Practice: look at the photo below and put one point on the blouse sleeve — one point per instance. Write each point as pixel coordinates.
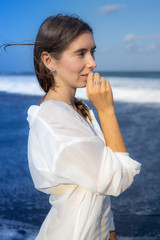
(63, 150)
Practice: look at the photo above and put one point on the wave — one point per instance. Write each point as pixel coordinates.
(11, 230)
(20, 84)
(125, 89)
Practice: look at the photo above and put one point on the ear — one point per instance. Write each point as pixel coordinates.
(47, 60)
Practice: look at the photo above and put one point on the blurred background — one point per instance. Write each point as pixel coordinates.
(127, 36)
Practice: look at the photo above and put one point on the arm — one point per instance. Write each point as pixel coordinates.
(64, 150)
(111, 131)
(102, 98)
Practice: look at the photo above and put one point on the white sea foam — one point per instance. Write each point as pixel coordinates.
(11, 230)
(20, 84)
(125, 89)
(136, 90)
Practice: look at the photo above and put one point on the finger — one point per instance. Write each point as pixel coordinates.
(108, 86)
(89, 84)
(96, 76)
(109, 89)
(103, 84)
(97, 80)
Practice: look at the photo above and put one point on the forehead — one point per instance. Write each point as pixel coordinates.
(85, 40)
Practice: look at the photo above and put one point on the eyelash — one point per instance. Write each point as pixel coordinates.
(81, 54)
(93, 52)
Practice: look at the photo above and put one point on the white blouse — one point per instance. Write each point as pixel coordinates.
(69, 160)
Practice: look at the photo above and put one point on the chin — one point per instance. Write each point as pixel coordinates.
(83, 85)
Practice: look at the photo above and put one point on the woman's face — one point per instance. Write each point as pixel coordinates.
(76, 62)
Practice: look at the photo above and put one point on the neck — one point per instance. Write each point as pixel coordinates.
(65, 96)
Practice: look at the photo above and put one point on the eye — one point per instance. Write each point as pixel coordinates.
(81, 54)
(93, 52)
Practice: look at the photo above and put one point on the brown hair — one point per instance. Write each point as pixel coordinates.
(55, 34)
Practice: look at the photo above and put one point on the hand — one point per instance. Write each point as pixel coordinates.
(113, 236)
(99, 95)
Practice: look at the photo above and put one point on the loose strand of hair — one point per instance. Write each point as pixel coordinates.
(4, 46)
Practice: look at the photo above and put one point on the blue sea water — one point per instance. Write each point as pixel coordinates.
(137, 104)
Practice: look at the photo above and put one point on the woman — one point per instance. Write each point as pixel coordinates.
(69, 157)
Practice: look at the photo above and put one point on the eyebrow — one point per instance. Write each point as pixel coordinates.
(84, 49)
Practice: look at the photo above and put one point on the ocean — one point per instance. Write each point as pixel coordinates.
(137, 104)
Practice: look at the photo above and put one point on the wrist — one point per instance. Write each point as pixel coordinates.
(108, 112)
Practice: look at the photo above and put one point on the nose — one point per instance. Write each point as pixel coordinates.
(91, 64)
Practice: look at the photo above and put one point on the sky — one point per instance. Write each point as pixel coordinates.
(126, 32)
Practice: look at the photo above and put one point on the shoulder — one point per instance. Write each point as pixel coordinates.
(60, 114)
(58, 117)
(53, 107)
(53, 111)
(49, 111)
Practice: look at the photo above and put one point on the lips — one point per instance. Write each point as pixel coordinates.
(85, 75)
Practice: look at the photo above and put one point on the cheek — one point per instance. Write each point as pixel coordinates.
(75, 66)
